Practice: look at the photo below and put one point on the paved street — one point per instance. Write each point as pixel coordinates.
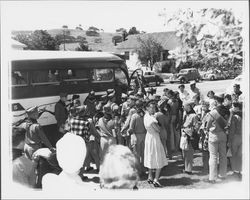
(218, 86)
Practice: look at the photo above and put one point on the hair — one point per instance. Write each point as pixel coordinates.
(75, 96)
(165, 89)
(18, 135)
(181, 86)
(237, 105)
(152, 101)
(170, 92)
(219, 99)
(228, 97)
(197, 98)
(119, 168)
(210, 92)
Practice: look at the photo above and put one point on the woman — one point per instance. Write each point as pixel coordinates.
(154, 154)
(163, 118)
(188, 130)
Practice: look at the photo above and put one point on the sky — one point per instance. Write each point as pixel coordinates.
(106, 15)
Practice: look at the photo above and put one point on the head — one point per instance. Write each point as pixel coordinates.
(219, 99)
(192, 85)
(139, 106)
(236, 88)
(33, 113)
(75, 96)
(181, 88)
(107, 117)
(131, 100)
(18, 138)
(71, 153)
(76, 102)
(165, 90)
(227, 100)
(151, 107)
(205, 106)
(210, 94)
(170, 94)
(63, 97)
(119, 168)
(237, 106)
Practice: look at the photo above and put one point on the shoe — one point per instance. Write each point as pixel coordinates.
(89, 169)
(150, 181)
(210, 181)
(222, 178)
(84, 178)
(135, 188)
(186, 172)
(157, 184)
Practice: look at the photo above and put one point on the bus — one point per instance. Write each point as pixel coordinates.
(38, 77)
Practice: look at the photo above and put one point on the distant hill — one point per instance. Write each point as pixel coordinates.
(103, 42)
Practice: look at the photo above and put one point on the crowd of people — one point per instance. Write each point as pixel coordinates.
(135, 138)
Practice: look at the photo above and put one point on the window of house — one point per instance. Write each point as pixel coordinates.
(102, 75)
(19, 78)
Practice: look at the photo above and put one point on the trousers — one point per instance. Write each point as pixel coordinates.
(188, 156)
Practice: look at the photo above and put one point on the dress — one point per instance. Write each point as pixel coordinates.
(154, 154)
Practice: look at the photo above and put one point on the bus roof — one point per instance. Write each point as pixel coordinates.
(26, 58)
(45, 55)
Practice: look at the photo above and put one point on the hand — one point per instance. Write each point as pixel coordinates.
(133, 140)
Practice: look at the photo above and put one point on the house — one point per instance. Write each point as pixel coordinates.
(168, 40)
(17, 45)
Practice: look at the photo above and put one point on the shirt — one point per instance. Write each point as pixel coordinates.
(136, 125)
(184, 96)
(80, 127)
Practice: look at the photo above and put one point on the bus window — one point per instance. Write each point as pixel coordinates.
(73, 75)
(44, 76)
(105, 75)
(19, 78)
(120, 77)
(53, 76)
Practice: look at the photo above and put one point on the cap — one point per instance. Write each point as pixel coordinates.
(32, 110)
(63, 94)
(192, 82)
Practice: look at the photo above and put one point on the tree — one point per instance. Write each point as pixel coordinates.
(83, 44)
(133, 31)
(149, 51)
(38, 40)
(120, 30)
(92, 28)
(209, 37)
(64, 26)
(60, 39)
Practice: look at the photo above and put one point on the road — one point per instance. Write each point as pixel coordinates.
(218, 86)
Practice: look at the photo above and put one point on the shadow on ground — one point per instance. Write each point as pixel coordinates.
(178, 181)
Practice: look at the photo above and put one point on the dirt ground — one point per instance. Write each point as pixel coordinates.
(173, 178)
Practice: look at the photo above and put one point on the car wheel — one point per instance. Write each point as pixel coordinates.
(182, 80)
(212, 78)
(157, 83)
(197, 80)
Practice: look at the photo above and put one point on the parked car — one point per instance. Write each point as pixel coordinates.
(214, 75)
(237, 80)
(151, 77)
(186, 75)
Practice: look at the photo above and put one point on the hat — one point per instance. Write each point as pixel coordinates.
(192, 82)
(109, 91)
(75, 96)
(182, 86)
(63, 94)
(236, 85)
(32, 110)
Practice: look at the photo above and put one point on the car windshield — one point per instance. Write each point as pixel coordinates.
(183, 71)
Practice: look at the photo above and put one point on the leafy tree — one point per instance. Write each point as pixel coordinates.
(209, 37)
(92, 28)
(133, 31)
(38, 40)
(60, 39)
(149, 51)
(92, 33)
(83, 44)
(120, 30)
(64, 26)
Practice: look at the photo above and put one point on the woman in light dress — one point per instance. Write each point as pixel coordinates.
(154, 153)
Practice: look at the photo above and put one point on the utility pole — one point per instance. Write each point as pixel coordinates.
(164, 15)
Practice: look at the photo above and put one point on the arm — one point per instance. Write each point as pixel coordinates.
(58, 113)
(131, 129)
(126, 124)
(43, 137)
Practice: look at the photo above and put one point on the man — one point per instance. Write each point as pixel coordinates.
(23, 168)
(91, 103)
(138, 132)
(217, 140)
(111, 105)
(183, 94)
(237, 93)
(61, 112)
(194, 91)
(228, 101)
